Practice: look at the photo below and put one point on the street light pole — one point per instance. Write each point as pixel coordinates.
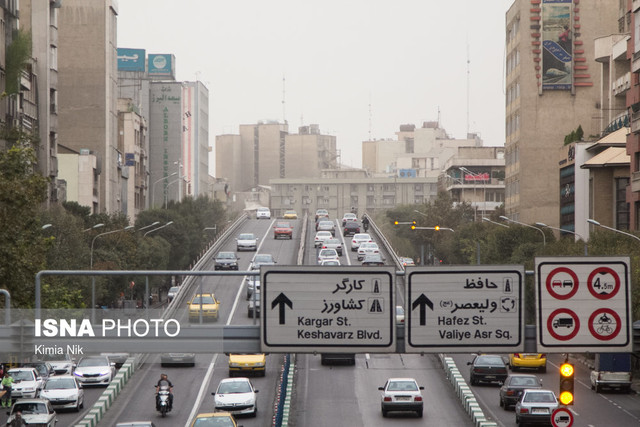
(148, 226)
(543, 225)
(153, 188)
(596, 223)
(156, 229)
(544, 239)
(93, 278)
(493, 222)
(93, 228)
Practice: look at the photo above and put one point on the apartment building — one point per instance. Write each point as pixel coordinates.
(552, 88)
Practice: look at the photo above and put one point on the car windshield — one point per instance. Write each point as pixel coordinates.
(93, 361)
(214, 422)
(59, 383)
(489, 360)
(361, 237)
(402, 386)
(234, 387)
(332, 242)
(226, 255)
(282, 225)
(262, 259)
(204, 299)
(523, 382)
(326, 224)
(539, 397)
(246, 236)
(30, 408)
(21, 375)
(328, 252)
(54, 357)
(174, 289)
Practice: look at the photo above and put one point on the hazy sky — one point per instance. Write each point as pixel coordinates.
(354, 67)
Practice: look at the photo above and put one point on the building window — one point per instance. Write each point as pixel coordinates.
(389, 187)
(622, 207)
(370, 187)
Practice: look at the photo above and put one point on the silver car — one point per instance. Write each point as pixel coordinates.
(333, 244)
(536, 406)
(36, 412)
(401, 394)
(95, 370)
(246, 242)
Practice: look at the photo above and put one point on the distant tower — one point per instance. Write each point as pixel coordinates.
(369, 117)
(284, 116)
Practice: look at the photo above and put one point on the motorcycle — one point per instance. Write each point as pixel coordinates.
(162, 401)
(365, 226)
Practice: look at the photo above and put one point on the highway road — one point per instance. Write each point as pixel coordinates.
(590, 410)
(329, 395)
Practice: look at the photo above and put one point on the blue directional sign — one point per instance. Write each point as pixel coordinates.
(327, 309)
(466, 309)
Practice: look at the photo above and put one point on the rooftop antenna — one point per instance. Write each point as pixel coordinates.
(468, 81)
(369, 116)
(284, 116)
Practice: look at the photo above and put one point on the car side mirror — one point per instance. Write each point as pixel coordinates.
(255, 391)
(421, 387)
(213, 394)
(468, 363)
(381, 388)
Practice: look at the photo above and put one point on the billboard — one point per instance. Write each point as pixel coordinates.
(131, 59)
(161, 65)
(557, 52)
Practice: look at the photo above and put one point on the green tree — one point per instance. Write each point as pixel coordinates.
(22, 243)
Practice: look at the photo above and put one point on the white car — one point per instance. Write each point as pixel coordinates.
(35, 412)
(236, 395)
(321, 236)
(26, 383)
(367, 248)
(253, 284)
(61, 363)
(263, 213)
(348, 217)
(359, 238)
(95, 370)
(173, 292)
(261, 259)
(63, 392)
(401, 394)
(333, 244)
(535, 406)
(246, 242)
(326, 254)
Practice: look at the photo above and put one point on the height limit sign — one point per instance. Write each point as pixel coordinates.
(584, 303)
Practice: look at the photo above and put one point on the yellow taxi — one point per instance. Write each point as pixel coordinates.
(528, 360)
(245, 363)
(209, 304)
(222, 419)
(290, 214)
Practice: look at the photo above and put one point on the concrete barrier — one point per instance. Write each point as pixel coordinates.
(109, 396)
(464, 393)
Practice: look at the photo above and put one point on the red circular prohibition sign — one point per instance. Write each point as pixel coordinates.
(598, 335)
(576, 321)
(561, 411)
(570, 273)
(603, 270)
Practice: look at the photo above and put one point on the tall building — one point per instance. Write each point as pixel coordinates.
(266, 150)
(195, 138)
(40, 18)
(417, 152)
(88, 113)
(633, 104)
(552, 89)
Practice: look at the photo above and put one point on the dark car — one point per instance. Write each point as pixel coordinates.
(226, 261)
(513, 387)
(488, 368)
(351, 228)
(373, 259)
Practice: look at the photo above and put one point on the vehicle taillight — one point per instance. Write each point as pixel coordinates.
(324, 247)
(516, 355)
(510, 392)
(524, 410)
(543, 356)
(418, 399)
(387, 399)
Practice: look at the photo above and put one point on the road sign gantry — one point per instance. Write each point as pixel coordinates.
(327, 309)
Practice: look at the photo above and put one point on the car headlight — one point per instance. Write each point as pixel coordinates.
(80, 374)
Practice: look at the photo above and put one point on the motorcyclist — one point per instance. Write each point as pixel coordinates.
(164, 384)
(365, 222)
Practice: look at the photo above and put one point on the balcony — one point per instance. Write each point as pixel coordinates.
(635, 182)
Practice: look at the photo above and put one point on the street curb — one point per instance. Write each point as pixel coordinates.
(107, 398)
(464, 393)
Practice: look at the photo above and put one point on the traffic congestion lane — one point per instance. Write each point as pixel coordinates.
(348, 395)
(591, 409)
(195, 385)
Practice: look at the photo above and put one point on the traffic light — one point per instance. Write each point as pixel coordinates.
(437, 228)
(566, 384)
(395, 223)
(413, 227)
(414, 222)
